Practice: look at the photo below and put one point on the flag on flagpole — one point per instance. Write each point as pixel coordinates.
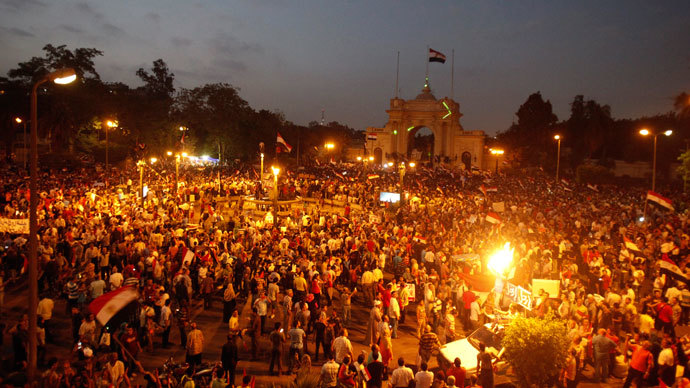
(280, 140)
(107, 305)
(436, 56)
(493, 218)
(660, 200)
(372, 136)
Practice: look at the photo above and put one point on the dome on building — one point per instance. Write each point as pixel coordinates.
(425, 94)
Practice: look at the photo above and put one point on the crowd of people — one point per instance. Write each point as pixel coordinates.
(288, 283)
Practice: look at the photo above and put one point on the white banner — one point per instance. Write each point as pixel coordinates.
(14, 226)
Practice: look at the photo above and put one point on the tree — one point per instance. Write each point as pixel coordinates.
(62, 110)
(684, 169)
(533, 132)
(536, 348)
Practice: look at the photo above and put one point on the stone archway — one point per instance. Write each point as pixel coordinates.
(420, 144)
(440, 116)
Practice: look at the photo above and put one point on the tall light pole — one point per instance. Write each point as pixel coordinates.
(261, 174)
(110, 124)
(496, 153)
(647, 132)
(61, 77)
(19, 120)
(276, 171)
(558, 155)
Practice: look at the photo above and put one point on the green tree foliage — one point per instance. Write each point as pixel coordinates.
(66, 108)
(536, 348)
(533, 132)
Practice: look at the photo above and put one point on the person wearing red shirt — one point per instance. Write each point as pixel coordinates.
(664, 317)
(467, 298)
(641, 363)
(456, 370)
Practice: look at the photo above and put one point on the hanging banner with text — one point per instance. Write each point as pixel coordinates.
(14, 226)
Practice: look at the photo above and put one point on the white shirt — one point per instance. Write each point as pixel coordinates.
(394, 308)
(401, 377)
(342, 347)
(666, 357)
(423, 379)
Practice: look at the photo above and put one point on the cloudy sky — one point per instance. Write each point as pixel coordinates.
(300, 57)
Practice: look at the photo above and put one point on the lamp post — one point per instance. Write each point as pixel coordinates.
(496, 153)
(276, 171)
(108, 126)
(261, 174)
(61, 77)
(141, 164)
(647, 132)
(19, 120)
(558, 155)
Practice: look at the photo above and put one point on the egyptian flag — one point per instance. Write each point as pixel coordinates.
(182, 138)
(187, 256)
(631, 245)
(436, 56)
(671, 269)
(280, 140)
(372, 136)
(660, 200)
(493, 218)
(419, 239)
(373, 176)
(108, 305)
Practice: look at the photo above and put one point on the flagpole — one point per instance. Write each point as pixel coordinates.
(452, 74)
(397, 75)
(427, 62)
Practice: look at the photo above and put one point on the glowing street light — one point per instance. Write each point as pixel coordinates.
(412, 164)
(276, 171)
(184, 155)
(371, 158)
(60, 77)
(169, 153)
(110, 124)
(496, 152)
(329, 146)
(19, 120)
(647, 132)
(359, 158)
(558, 155)
(153, 160)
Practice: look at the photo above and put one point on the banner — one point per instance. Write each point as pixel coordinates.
(14, 226)
(519, 295)
(410, 291)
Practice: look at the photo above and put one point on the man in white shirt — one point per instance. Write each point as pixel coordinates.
(342, 347)
(116, 279)
(402, 375)
(45, 310)
(394, 314)
(424, 378)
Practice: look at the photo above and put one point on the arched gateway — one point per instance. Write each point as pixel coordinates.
(442, 117)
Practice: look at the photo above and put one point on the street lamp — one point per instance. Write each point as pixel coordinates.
(61, 77)
(647, 132)
(558, 155)
(329, 146)
(19, 120)
(109, 125)
(276, 171)
(496, 153)
(141, 165)
(261, 174)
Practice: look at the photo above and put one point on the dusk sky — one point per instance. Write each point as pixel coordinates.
(300, 57)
